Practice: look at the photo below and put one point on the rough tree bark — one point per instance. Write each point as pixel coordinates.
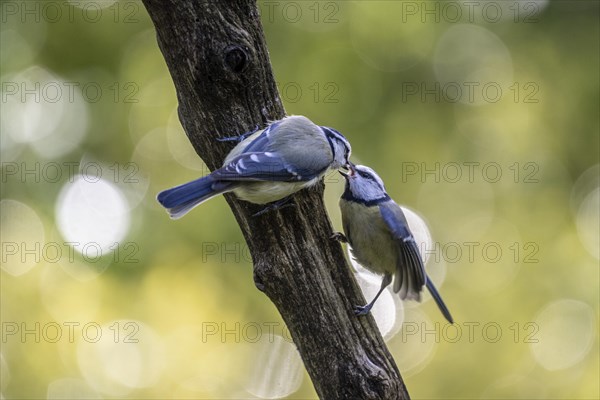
(218, 59)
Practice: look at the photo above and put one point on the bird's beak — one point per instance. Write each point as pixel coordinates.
(350, 168)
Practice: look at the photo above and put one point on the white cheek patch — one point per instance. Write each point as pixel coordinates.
(254, 157)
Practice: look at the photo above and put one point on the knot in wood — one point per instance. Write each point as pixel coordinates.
(236, 58)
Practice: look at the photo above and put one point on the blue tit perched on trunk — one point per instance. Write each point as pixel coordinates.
(266, 166)
(381, 240)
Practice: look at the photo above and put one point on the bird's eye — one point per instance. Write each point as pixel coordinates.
(365, 175)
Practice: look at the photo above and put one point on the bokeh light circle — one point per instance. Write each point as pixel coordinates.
(19, 46)
(584, 185)
(180, 147)
(10, 150)
(66, 298)
(584, 206)
(129, 177)
(92, 214)
(566, 332)
(23, 237)
(120, 356)
(70, 388)
(278, 370)
(207, 368)
(588, 223)
(411, 350)
(474, 60)
(46, 112)
(153, 146)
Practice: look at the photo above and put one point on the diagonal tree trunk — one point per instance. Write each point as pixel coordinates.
(218, 59)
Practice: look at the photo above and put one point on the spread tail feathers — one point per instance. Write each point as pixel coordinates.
(438, 300)
(181, 199)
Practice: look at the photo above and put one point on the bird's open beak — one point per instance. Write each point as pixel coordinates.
(350, 168)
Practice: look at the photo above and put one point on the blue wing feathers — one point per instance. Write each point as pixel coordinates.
(417, 261)
(394, 218)
(261, 167)
(274, 156)
(410, 268)
(261, 143)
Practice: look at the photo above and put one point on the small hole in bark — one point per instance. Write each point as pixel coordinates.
(236, 59)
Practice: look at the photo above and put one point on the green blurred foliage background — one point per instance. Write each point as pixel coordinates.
(482, 117)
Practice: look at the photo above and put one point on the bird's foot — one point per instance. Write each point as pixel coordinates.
(277, 205)
(362, 310)
(239, 138)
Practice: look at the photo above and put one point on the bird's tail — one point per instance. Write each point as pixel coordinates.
(438, 300)
(181, 199)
